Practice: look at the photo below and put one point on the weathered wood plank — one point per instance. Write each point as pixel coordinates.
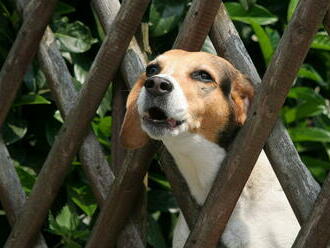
(196, 25)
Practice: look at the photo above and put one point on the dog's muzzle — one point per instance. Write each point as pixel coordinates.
(158, 86)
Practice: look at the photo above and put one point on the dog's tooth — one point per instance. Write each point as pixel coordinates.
(172, 122)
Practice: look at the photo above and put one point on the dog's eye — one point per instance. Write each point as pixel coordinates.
(152, 70)
(202, 76)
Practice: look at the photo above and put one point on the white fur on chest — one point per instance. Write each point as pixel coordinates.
(198, 160)
(262, 216)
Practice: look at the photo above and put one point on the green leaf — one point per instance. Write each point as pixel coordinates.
(67, 219)
(321, 41)
(34, 79)
(31, 100)
(292, 7)
(58, 116)
(257, 14)
(81, 66)
(155, 236)
(318, 167)
(83, 198)
(308, 71)
(306, 94)
(27, 177)
(165, 16)
(310, 103)
(307, 109)
(159, 179)
(14, 130)
(74, 37)
(264, 41)
(105, 125)
(247, 4)
(312, 134)
(273, 36)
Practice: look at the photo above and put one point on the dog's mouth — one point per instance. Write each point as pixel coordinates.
(157, 116)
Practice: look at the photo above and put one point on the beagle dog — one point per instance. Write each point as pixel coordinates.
(195, 102)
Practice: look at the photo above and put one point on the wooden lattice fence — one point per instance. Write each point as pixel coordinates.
(116, 189)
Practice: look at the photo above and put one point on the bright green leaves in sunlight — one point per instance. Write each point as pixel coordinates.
(309, 103)
(321, 41)
(255, 13)
(256, 16)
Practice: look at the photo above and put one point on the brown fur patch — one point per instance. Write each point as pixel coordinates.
(131, 135)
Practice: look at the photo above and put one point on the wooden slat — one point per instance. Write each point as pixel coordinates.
(12, 195)
(326, 22)
(22, 52)
(197, 25)
(298, 183)
(122, 197)
(76, 125)
(271, 95)
(315, 233)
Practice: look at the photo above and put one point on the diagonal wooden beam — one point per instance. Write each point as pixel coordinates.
(326, 22)
(315, 233)
(298, 183)
(12, 195)
(76, 125)
(270, 97)
(22, 52)
(196, 25)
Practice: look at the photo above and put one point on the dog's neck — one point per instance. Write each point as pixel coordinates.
(198, 160)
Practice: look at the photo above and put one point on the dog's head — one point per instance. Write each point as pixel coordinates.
(183, 92)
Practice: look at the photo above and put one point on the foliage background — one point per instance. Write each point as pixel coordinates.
(34, 120)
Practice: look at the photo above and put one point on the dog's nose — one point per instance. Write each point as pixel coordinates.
(158, 86)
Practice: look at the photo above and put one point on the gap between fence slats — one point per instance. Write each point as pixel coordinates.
(277, 81)
(22, 52)
(279, 148)
(12, 195)
(124, 191)
(76, 125)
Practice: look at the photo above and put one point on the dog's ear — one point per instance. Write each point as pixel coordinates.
(242, 94)
(131, 135)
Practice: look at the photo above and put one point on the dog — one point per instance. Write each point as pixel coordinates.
(195, 102)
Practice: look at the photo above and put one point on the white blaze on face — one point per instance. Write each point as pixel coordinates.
(174, 105)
